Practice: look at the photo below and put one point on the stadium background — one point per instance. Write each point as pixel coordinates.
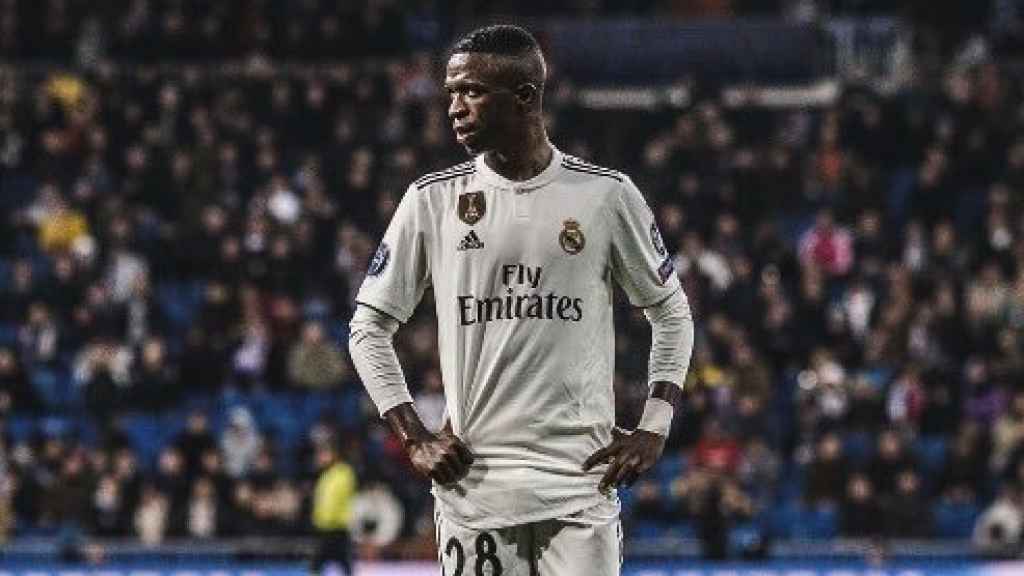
(190, 192)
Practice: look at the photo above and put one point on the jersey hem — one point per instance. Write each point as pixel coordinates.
(549, 513)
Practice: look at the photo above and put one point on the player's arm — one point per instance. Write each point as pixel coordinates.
(631, 454)
(394, 285)
(643, 268)
(443, 456)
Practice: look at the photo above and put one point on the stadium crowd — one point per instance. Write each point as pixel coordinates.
(179, 249)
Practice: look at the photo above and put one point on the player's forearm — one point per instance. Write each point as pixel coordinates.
(671, 345)
(373, 354)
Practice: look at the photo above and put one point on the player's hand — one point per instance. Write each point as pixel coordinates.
(443, 457)
(629, 455)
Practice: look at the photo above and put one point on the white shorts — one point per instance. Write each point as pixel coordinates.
(566, 546)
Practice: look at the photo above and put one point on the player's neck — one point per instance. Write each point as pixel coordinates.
(525, 161)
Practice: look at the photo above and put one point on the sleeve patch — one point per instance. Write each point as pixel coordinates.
(666, 269)
(380, 260)
(656, 240)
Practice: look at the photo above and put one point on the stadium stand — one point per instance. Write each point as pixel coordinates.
(184, 219)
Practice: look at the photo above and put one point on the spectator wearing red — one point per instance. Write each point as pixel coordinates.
(827, 246)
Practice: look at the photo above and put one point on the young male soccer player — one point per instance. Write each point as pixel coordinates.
(522, 245)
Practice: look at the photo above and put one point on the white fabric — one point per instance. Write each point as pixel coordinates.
(585, 543)
(373, 354)
(523, 287)
(657, 417)
(671, 339)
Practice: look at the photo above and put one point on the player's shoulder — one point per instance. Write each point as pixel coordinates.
(579, 168)
(452, 173)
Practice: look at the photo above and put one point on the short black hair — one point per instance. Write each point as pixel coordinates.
(499, 39)
(525, 60)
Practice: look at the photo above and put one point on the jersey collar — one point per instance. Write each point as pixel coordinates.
(547, 175)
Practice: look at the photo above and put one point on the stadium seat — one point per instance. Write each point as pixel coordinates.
(670, 467)
(8, 334)
(931, 453)
(859, 447)
(20, 428)
(794, 520)
(954, 520)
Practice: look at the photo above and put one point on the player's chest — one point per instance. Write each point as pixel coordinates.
(556, 228)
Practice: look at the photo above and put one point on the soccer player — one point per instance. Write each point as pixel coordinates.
(522, 246)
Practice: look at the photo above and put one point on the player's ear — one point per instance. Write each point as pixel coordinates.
(526, 93)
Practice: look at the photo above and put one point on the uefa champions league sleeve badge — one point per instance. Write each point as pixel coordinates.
(380, 259)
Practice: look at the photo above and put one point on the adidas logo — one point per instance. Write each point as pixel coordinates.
(470, 242)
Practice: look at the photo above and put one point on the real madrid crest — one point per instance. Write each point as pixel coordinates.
(571, 237)
(472, 207)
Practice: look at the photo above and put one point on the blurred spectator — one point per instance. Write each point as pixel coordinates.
(1008, 432)
(174, 488)
(827, 246)
(998, 531)
(195, 441)
(649, 504)
(240, 443)
(963, 477)
(827, 472)
(758, 471)
(717, 451)
(332, 515)
(861, 509)
(156, 385)
(16, 392)
(890, 460)
(907, 513)
(40, 336)
(60, 226)
(206, 515)
(151, 516)
(110, 508)
(315, 362)
(103, 370)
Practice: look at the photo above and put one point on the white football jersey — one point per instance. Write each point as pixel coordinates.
(522, 274)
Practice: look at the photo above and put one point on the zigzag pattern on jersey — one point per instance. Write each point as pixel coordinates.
(576, 165)
(447, 174)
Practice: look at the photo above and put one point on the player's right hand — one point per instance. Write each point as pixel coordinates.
(442, 457)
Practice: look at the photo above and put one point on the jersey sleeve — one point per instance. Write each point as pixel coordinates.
(399, 271)
(640, 262)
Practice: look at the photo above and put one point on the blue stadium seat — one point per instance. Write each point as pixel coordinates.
(20, 428)
(647, 529)
(931, 453)
(791, 484)
(744, 537)
(44, 383)
(8, 334)
(794, 520)
(179, 302)
(681, 529)
(149, 434)
(859, 447)
(954, 520)
(670, 467)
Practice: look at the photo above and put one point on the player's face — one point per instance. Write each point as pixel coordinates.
(480, 107)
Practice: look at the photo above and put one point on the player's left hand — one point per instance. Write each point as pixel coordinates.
(629, 455)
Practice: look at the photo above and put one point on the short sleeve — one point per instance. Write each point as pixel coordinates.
(640, 262)
(399, 271)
